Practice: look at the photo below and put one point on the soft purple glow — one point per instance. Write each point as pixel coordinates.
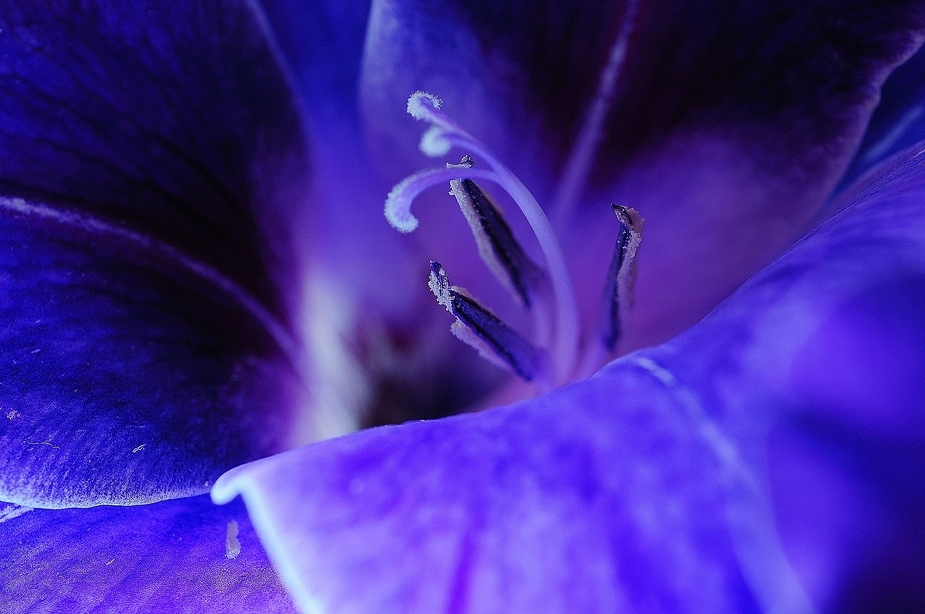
(196, 284)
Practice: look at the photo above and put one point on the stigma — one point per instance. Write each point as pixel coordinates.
(557, 351)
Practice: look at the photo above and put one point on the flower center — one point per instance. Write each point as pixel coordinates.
(556, 353)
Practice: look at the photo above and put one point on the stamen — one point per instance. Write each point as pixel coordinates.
(505, 257)
(497, 246)
(445, 133)
(481, 329)
(618, 292)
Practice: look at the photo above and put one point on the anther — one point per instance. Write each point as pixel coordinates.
(484, 331)
(500, 251)
(618, 291)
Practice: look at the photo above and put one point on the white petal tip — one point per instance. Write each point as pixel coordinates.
(226, 487)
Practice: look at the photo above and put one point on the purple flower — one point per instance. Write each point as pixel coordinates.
(196, 281)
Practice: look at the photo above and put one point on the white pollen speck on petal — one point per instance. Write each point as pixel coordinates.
(138, 448)
(232, 545)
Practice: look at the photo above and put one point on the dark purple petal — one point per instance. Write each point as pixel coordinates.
(898, 122)
(771, 454)
(730, 124)
(185, 555)
(152, 172)
(802, 77)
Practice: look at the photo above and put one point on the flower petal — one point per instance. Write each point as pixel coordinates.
(322, 41)
(152, 175)
(753, 72)
(730, 124)
(816, 366)
(898, 122)
(184, 555)
(726, 471)
(545, 506)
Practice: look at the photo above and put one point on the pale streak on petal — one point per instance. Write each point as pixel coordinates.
(581, 158)
(210, 275)
(749, 511)
(9, 511)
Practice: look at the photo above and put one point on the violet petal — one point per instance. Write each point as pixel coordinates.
(152, 171)
(816, 367)
(536, 507)
(184, 555)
